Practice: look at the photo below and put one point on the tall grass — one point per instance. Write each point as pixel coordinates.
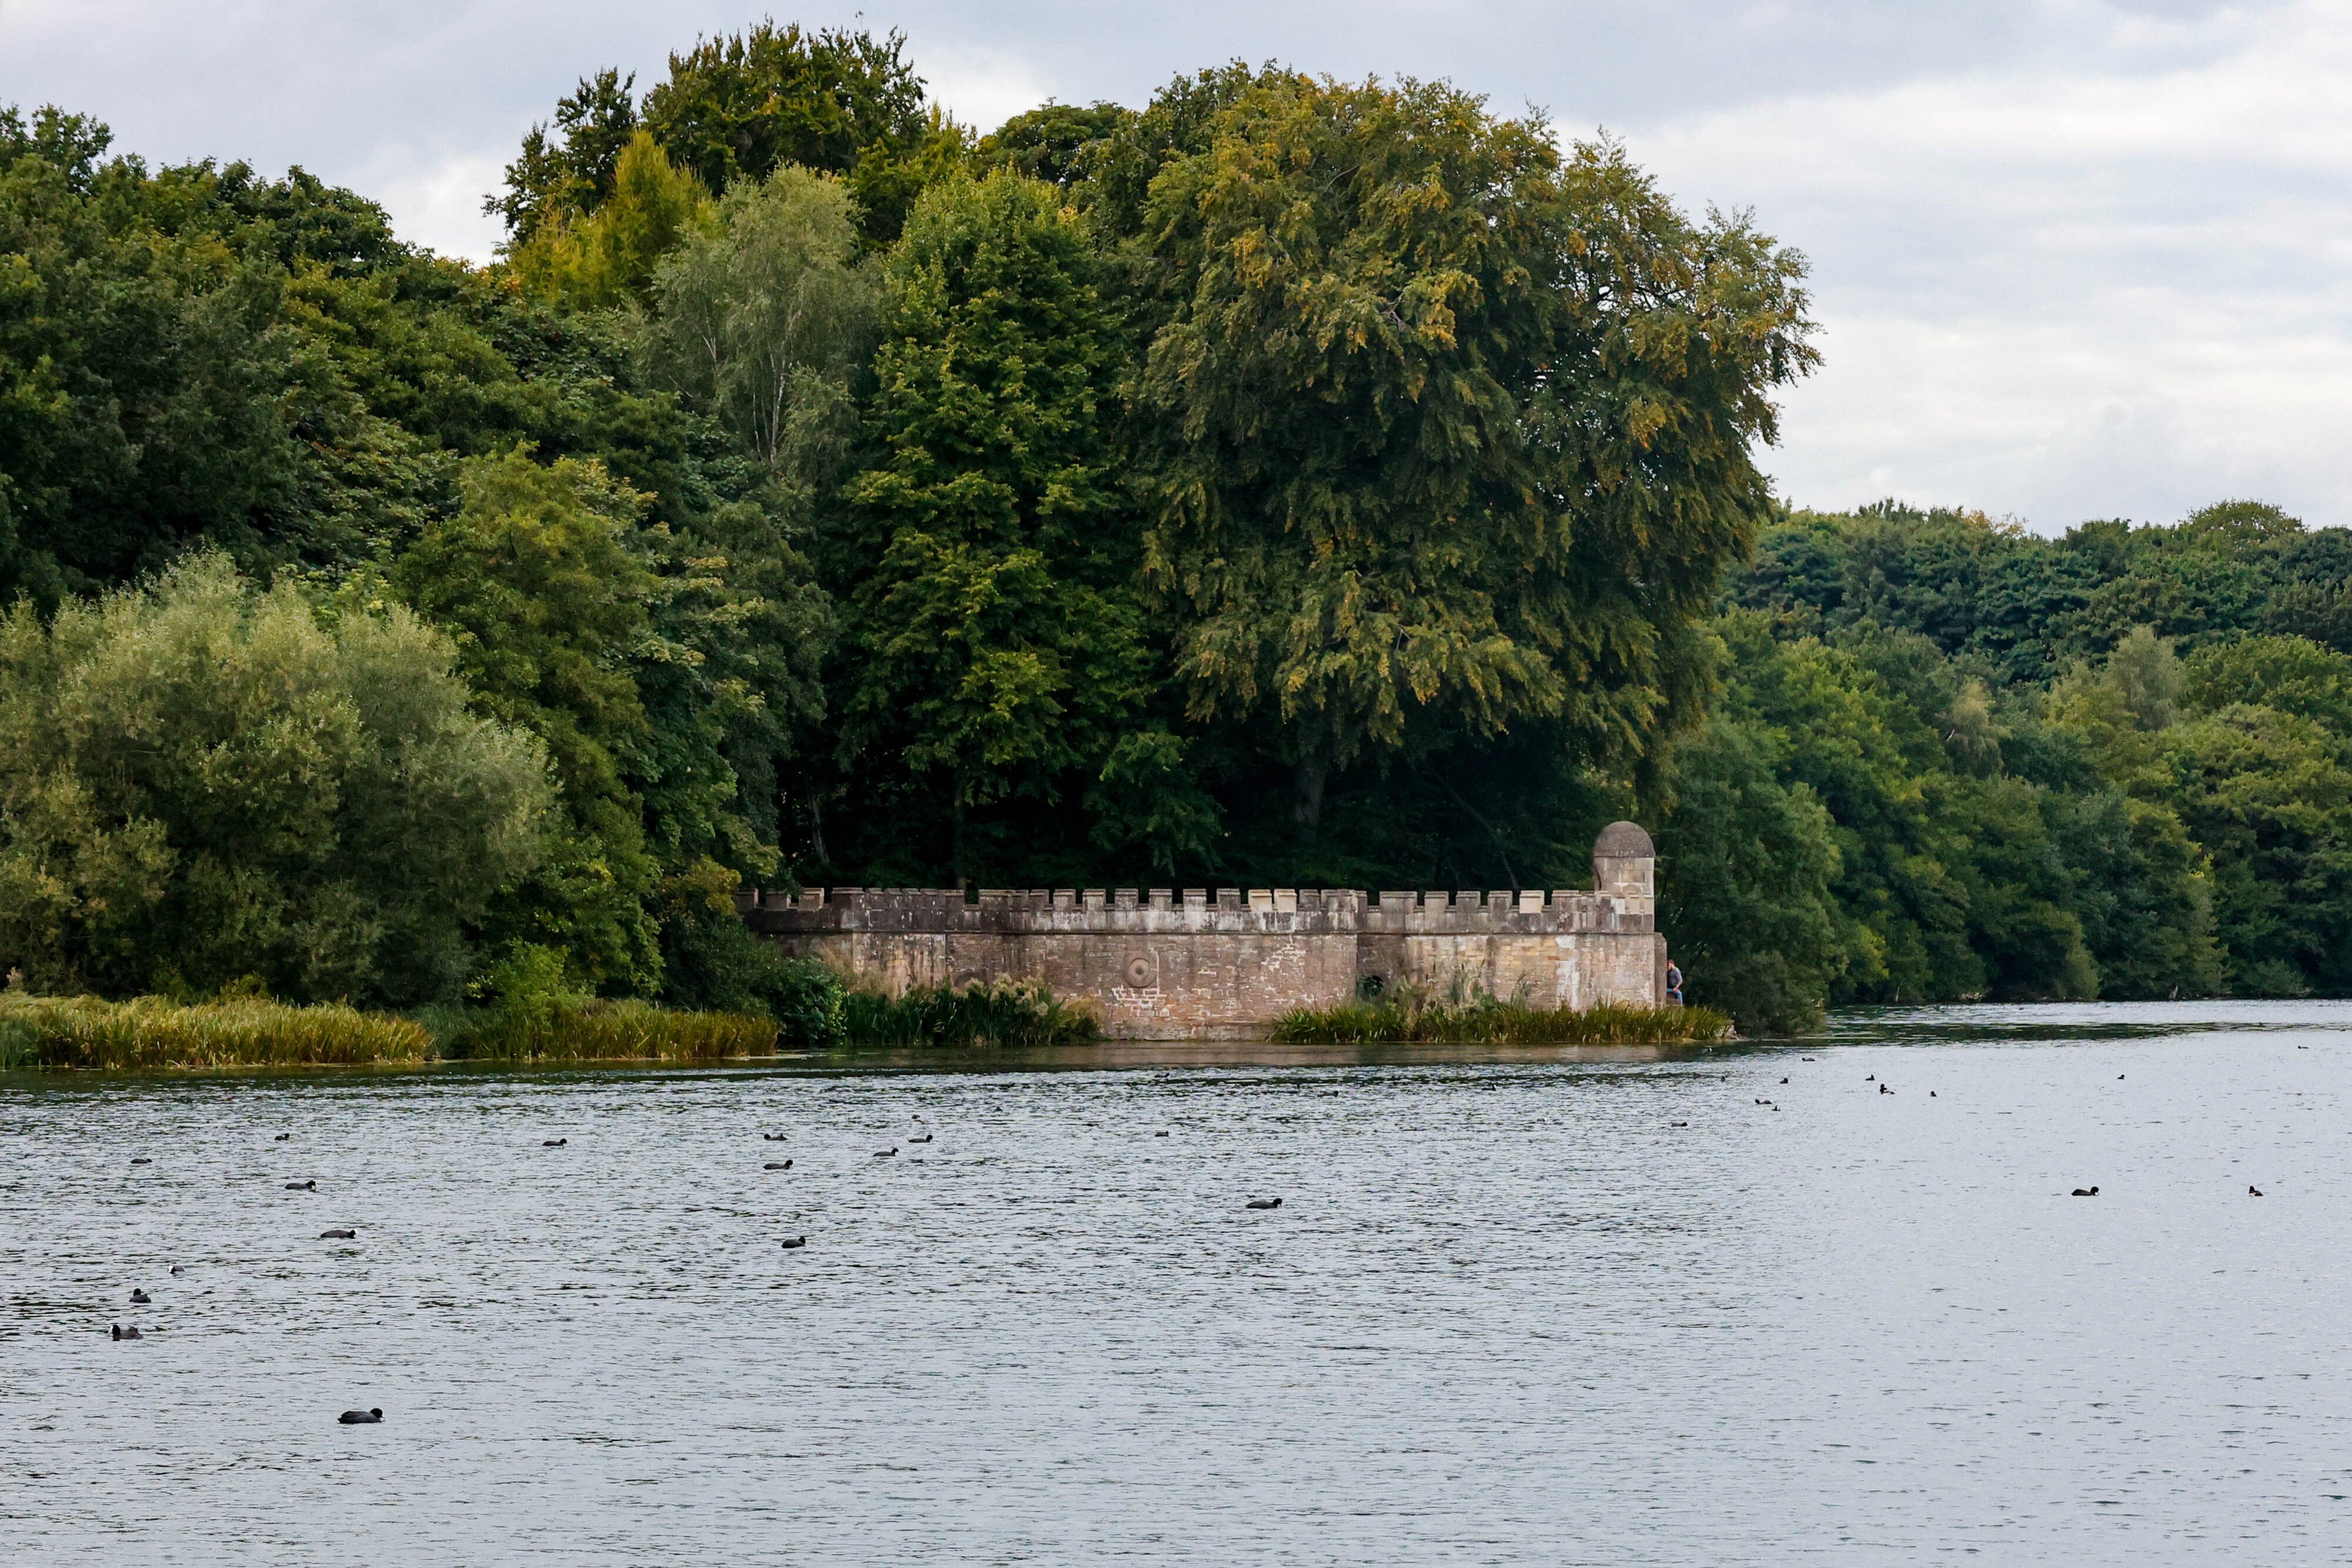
(607, 1031)
(151, 1031)
(1006, 1013)
(1489, 1020)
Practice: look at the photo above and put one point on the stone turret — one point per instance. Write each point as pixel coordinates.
(1624, 862)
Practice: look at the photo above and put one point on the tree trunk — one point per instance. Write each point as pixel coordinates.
(1306, 793)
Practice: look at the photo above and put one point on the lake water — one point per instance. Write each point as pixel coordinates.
(1508, 1312)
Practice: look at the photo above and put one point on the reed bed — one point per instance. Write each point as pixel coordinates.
(1490, 1021)
(154, 1033)
(1008, 1013)
(609, 1031)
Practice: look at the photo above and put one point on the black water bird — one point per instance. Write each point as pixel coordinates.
(360, 1418)
(121, 1333)
(2119, 1078)
(2085, 1192)
(1784, 1081)
(177, 1270)
(1159, 1135)
(552, 1143)
(301, 1186)
(1264, 1203)
(1870, 1078)
(777, 1165)
(1884, 1088)
(885, 1154)
(339, 1236)
(924, 1139)
(2253, 1191)
(773, 1137)
(142, 1160)
(797, 1241)
(140, 1298)
(281, 1137)
(1678, 1123)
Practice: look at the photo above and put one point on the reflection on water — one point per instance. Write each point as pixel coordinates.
(1562, 1307)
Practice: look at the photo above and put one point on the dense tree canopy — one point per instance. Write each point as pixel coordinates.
(1287, 481)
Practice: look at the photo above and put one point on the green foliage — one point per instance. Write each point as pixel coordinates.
(742, 107)
(1011, 1013)
(762, 320)
(607, 257)
(150, 1032)
(1001, 647)
(1748, 868)
(1417, 462)
(588, 1029)
(1489, 1020)
(202, 781)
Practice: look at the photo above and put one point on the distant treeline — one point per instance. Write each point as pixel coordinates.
(1291, 481)
(1954, 759)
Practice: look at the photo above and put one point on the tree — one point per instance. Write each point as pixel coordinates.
(760, 320)
(607, 257)
(1001, 652)
(201, 783)
(1446, 431)
(536, 580)
(1746, 868)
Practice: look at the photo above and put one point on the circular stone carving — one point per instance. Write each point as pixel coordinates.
(1142, 974)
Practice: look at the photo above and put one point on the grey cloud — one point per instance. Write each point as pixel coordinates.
(2071, 258)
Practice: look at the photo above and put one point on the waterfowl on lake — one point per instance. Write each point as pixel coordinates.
(140, 1298)
(281, 1137)
(777, 1165)
(552, 1143)
(360, 1418)
(885, 1154)
(1159, 1135)
(142, 1160)
(177, 1269)
(1870, 1078)
(773, 1137)
(1678, 1123)
(1784, 1081)
(2085, 1192)
(121, 1333)
(1883, 1088)
(1931, 1093)
(301, 1186)
(1264, 1203)
(924, 1139)
(2255, 1191)
(339, 1236)
(797, 1241)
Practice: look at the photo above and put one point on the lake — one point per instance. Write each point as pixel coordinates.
(1580, 1309)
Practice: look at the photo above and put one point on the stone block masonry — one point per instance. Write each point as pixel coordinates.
(1161, 963)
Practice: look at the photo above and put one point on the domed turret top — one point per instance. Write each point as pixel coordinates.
(1623, 841)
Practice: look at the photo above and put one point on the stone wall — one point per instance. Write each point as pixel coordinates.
(1163, 966)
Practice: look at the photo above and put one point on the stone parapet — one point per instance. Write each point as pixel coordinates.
(1201, 962)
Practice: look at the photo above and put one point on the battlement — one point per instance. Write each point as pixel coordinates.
(1125, 910)
(1168, 962)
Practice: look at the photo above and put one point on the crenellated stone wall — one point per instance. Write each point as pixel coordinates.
(1161, 965)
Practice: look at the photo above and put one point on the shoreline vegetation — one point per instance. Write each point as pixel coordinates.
(1495, 1021)
(149, 1034)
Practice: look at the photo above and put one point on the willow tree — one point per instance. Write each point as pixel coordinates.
(1446, 431)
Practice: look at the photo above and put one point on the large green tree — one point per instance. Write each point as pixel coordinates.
(999, 649)
(1449, 433)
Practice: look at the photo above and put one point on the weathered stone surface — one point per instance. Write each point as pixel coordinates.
(1159, 968)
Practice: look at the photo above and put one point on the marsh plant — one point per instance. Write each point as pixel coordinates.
(985, 1013)
(1462, 1014)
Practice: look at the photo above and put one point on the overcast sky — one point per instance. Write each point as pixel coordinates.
(2071, 258)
